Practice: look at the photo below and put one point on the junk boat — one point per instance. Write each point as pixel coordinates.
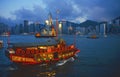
(50, 51)
(41, 53)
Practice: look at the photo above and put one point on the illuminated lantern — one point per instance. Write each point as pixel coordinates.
(72, 46)
(32, 51)
(38, 59)
(44, 55)
(50, 57)
(60, 56)
(27, 51)
(63, 55)
(18, 50)
(48, 49)
(58, 45)
(72, 52)
(22, 52)
(45, 59)
(66, 54)
(69, 53)
(37, 51)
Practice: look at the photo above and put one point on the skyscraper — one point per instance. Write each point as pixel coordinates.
(26, 26)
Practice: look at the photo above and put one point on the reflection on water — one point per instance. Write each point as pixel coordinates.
(47, 74)
(34, 72)
(37, 71)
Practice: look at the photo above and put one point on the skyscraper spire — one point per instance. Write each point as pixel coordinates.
(50, 18)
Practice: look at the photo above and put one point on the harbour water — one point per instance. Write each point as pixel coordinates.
(98, 58)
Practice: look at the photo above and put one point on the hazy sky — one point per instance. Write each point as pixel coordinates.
(73, 10)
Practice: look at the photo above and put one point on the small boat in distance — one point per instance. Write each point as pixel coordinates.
(38, 35)
(46, 33)
(93, 36)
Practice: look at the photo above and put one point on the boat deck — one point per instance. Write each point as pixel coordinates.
(33, 44)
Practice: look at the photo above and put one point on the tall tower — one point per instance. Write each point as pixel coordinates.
(50, 19)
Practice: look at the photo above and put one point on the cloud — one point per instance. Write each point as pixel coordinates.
(79, 19)
(100, 10)
(41, 13)
(37, 14)
(74, 10)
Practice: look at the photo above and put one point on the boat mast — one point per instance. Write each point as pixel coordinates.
(8, 40)
(75, 39)
(57, 12)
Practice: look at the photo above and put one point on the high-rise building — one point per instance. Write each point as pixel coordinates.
(17, 29)
(32, 28)
(26, 26)
(3, 28)
(21, 28)
(103, 28)
(115, 28)
(37, 27)
(60, 28)
(65, 27)
(68, 27)
(117, 21)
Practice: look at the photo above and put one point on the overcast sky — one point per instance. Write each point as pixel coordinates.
(72, 10)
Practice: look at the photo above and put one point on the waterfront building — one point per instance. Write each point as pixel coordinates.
(115, 28)
(17, 29)
(117, 21)
(103, 28)
(32, 28)
(60, 28)
(88, 27)
(21, 28)
(68, 27)
(25, 26)
(3, 28)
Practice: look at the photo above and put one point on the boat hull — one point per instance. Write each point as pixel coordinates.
(37, 59)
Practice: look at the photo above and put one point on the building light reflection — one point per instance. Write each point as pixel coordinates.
(47, 74)
(47, 22)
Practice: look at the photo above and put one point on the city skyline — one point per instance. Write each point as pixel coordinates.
(75, 11)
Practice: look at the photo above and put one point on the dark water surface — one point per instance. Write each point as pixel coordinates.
(98, 58)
